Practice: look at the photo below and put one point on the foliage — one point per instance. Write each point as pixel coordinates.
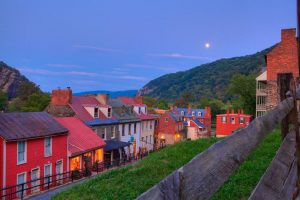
(208, 80)
(3, 101)
(36, 102)
(131, 181)
(244, 88)
(15, 105)
(185, 100)
(162, 104)
(240, 185)
(26, 89)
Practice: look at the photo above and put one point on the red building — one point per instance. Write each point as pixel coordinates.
(170, 128)
(85, 147)
(32, 146)
(227, 123)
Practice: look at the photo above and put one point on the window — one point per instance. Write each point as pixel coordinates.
(103, 133)
(182, 113)
(75, 163)
(99, 155)
(223, 120)
(21, 178)
(35, 175)
(48, 146)
(146, 139)
(150, 125)
(47, 174)
(129, 129)
(109, 112)
(232, 120)
(150, 139)
(21, 152)
(123, 129)
(145, 110)
(193, 113)
(261, 100)
(96, 112)
(134, 128)
(200, 114)
(260, 113)
(142, 138)
(167, 119)
(242, 120)
(140, 110)
(113, 134)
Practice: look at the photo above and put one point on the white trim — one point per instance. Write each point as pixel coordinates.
(50, 164)
(25, 154)
(45, 147)
(62, 170)
(25, 180)
(35, 189)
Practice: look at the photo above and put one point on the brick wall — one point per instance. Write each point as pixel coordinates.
(61, 97)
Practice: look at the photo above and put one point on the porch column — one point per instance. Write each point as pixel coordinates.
(120, 152)
(112, 156)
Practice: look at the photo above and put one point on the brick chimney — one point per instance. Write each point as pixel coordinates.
(232, 111)
(227, 111)
(139, 99)
(61, 97)
(288, 34)
(207, 112)
(102, 98)
(189, 108)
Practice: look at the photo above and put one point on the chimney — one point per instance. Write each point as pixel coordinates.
(207, 112)
(139, 99)
(242, 111)
(61, 97)
(239, 111)
(102, 98)
(288, 34)
(227, 111)
(189, 108)
(232, 111)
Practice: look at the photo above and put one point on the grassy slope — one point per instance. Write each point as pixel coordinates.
(129, 182)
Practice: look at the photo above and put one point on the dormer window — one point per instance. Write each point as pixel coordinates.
(109, 112)
(182, 113)
(96, 112)
(140, 110)
(193, 114)
(145, 110)
(200, 114)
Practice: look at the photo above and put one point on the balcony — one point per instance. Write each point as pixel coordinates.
(261, 92)
(261, 107)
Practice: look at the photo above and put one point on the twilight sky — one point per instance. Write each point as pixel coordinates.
(120, 45)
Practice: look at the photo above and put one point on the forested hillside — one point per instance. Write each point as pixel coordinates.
(209, 80)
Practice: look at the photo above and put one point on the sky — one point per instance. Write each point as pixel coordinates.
(124, 44)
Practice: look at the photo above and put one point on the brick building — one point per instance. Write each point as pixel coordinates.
(283, 58)
(230, 122)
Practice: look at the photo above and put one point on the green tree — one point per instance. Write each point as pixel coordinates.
(162, 104)
(3, 101)
(185, 100)
(26, 89)
(36, 102)
(243, 87)
(15, 105)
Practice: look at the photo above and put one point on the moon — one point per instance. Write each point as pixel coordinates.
(207, 45)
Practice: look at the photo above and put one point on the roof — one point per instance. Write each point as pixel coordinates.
(115, 144)
(188, 112)
(198, 123)
(81, 138)
(234, 114)
(130, 101)
(262, 76)
(96, 122)
(123, 112)
(160, 111)
(176, 117)
(29, 125)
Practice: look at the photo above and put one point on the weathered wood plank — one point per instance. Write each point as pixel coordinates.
(207, 172)
(278, 180)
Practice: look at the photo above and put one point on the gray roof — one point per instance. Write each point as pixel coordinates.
(28, 125)
(123, 112)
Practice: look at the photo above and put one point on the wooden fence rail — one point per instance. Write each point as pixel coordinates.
(208, 171)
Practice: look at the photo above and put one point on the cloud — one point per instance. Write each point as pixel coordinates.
(96, 48)
(77, 73)
(137, 78)
(55, 73)
(64, 66)
(151, 67)
(179, 55)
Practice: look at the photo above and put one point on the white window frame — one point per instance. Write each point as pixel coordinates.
(224, 120)
(232, 121)
(96, 115)
(113, 132)
(62, 171)
(193, 113)
(47, 155)
(50, 164)
(25, 180)
(109, 114)
(36, 189)
(25, 153)
(200, 114)
(241, 120)
(182, 113)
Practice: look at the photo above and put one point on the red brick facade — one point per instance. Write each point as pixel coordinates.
(229, 122)
(61, 97)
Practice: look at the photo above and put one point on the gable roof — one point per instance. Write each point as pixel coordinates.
(81, 138)
(198, 123)
(131, 101)
(188, 112)
(123, 112)
(29, 125)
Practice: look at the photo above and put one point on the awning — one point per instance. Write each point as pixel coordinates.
(115, 144)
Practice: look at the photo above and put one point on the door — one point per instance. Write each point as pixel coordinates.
(21, 179)
(35, 175)
(59, 171)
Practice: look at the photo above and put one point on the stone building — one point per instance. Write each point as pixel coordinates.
(283, 58)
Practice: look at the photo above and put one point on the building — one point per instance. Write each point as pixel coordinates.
(171, 128)
(85, 148)
(32, 146)
(227, 123)
(96, 112)
(197, 121)
(147, 137)
(283, 58)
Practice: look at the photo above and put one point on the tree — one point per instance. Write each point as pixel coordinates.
(243, 87)
(162, 104)
(36, 102)
(3, 101)
(185, 99)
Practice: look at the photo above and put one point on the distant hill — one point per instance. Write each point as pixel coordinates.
(11, 79)
(112, 94)
(208, 80)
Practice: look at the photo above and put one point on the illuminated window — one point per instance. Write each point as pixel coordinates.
(99, 155)
(75, 163)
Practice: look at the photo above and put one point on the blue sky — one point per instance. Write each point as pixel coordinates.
(120, 45)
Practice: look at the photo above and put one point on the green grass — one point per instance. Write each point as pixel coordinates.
(129, 182)
(241, 184)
